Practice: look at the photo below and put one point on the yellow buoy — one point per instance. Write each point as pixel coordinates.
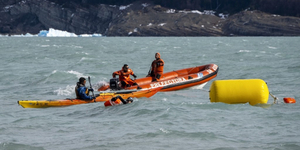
(252, 91)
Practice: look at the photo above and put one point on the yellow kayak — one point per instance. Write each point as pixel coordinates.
(102, 97)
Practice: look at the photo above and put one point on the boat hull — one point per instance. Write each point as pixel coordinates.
(102, 97)
(178, 79)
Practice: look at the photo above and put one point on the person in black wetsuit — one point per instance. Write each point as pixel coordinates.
(127, 101)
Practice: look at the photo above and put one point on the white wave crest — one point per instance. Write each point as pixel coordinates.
(198, 86)
(244, 51)
(68, 91)
(99, 84)
(270, 47)
(164, 130)
(78, 74)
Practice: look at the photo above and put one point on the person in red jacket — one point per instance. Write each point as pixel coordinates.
(124, 76)
(157, 68)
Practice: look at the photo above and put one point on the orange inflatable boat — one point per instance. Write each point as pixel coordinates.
(174, 80)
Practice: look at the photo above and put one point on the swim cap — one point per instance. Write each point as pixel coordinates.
(130, 99)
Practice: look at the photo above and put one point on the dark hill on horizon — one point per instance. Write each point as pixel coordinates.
(153, 17)
(279, 7)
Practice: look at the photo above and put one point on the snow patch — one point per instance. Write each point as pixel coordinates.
(223, 16)
(171, 11)
(124, 7)
(150, 24)
(145, 5)
(161, 24)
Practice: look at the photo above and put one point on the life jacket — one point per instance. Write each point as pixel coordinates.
(123, 76)
(158, 66)
(76, 90)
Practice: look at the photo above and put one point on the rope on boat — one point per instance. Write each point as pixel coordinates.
(275, 98)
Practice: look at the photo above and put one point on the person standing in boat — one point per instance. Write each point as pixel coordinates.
(157, 68)
(124, 76)
(82, 92)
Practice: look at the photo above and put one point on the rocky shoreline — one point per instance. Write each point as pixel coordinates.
(138, 19)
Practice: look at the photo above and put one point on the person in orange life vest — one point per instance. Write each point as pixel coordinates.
(124, 76)
(81, 91)
(157, 68)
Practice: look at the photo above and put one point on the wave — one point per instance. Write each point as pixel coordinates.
(19, 146)
(68, 91)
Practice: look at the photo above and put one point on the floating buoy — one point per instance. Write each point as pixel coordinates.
(252, 91)
(289, 100)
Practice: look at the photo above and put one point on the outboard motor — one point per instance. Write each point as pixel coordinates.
(114, 84)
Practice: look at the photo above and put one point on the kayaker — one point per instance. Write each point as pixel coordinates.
(127, 101)
(81, 91)
(124, 76)
(157, 68)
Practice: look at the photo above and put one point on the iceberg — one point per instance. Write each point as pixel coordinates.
(58, 33)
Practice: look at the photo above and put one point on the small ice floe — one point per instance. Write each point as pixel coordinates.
(202, 26)
(24, 35)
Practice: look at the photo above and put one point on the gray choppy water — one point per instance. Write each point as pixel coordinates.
(48, 68)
